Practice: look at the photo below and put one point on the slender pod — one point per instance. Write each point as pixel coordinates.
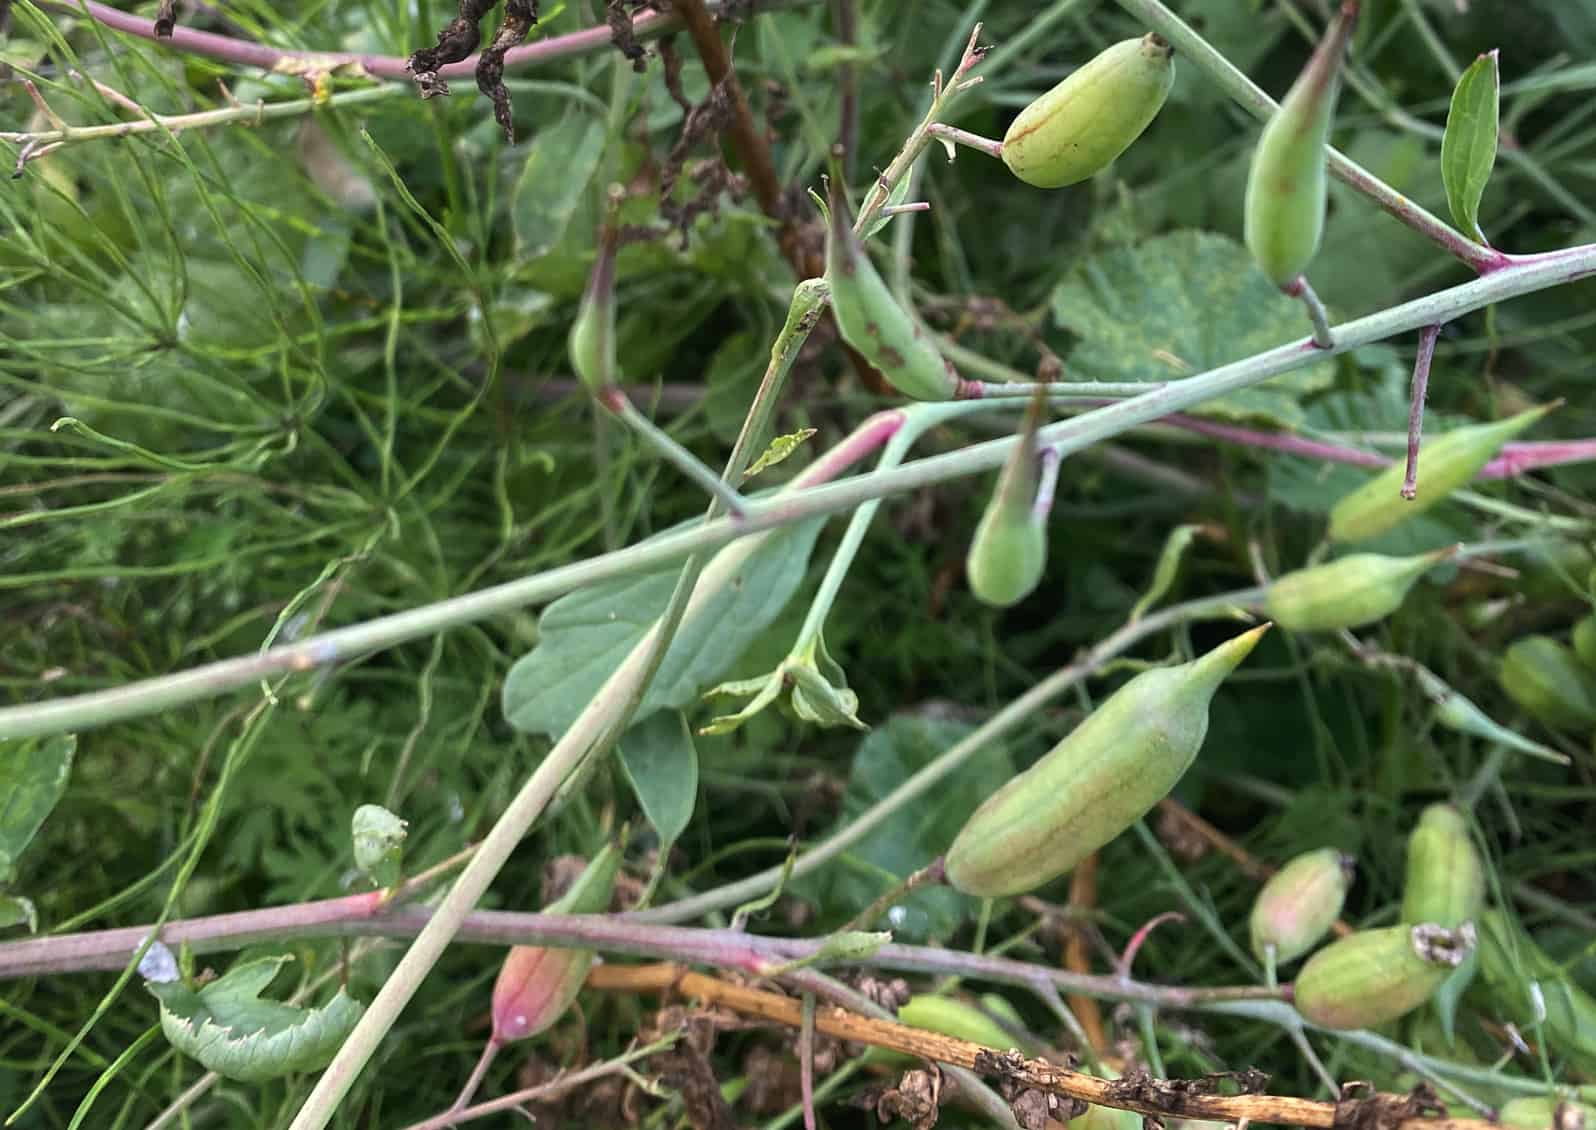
(1346, 593)
(1374, 976)
(1283, 219)
(1300, 902)
(1446, 464)
(1009, 550)
(1078, 128)
(1545, 678)
(591, 342)
(1445, 876)
(1095, 783)
(870, 319)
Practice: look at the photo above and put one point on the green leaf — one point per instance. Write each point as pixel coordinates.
(1468, 148)
(661, 763)
(33, 775)
(1178, 305)
(16, 911)
(561, 159)
(780, 448)
(584, 637)
(233, 1032)
(913, 836)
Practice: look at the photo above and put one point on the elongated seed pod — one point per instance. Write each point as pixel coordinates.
(537, 984)
(1445, 877)
(1549, 682)
(953, 1017)
(1283, 216)
(1537, 1112)
(1009, 550)
(1300, 902)
(1374, 976)
(591, 342)
(1078, 128)
(870, 319)
(1346, 593)
(1445, 464)
(1585, 641)
(1095, 783)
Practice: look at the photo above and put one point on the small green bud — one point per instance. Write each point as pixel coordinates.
(1346, 593)
(1541, 1113)
(1284, 208)
(591, 343)
(1445, 878)
(1299, 903)
(1445, 464)
(1375, 976)
(537, 984)
(1102, 778)
(1009, 551)
(1585, 644)
(379, 840)
(870, 319)
(1544, 677)
(1078, 128)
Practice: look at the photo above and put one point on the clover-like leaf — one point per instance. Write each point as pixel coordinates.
(1468, 148)
(233, 1032)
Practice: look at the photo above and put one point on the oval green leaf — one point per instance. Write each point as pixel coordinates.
(33, 775)
(661, 763)
(1468, 149)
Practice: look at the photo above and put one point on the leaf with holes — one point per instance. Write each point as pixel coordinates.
(1468, 148)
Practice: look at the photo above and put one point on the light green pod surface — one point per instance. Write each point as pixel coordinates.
(1078, 128)
(1283, 213)
(1368, 978)
(1299, 903)
(1445, 881)
(1346, 593)
(1445, 464)
(1585, 641)
(953, 1017)
(870, 319)
(1547, 680)
(1007, 554)
(1098, 781)
(591, 341)
(1543, 1113)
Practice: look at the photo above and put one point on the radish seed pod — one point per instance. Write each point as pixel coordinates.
(1299, 904)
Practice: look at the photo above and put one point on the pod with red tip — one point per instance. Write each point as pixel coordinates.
(1298, 905)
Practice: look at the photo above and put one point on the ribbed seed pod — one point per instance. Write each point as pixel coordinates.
(1346, 593)
(537, 984)
(591, 342)
(1078, 128)
(1284, 208)
(1446, 463)
(870, 319)
(1300, 902)
(1095, 783)
(1542, 1113)
(1445, 877)
(1547, 680)
(1374, 976)
(1585, 641)
(1008, 553)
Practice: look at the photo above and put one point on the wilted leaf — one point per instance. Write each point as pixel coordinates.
(233, 1032)
(561, 159)
(33, 775)
(661, 762)
(1179, 305)
(1468, 148)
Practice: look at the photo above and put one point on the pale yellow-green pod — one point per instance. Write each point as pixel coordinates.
(1446, 463)
(1547, 680)
(1297, 906)
(1445, 881)
(1078, 128)
(1283, 217)
(591, 342)
(1102, 778)
(1008, 553)
(953, 1017)
(1375, 976)
(1346, 593)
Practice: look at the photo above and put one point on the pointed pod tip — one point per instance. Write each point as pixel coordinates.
(1217, 664)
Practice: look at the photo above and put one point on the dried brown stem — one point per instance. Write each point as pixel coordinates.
(1159, 1098)
(1077, 953)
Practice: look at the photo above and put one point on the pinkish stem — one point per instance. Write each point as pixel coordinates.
(1421, 386)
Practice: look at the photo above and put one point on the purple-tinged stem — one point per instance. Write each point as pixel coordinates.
(1520, 458)
(1421, 387)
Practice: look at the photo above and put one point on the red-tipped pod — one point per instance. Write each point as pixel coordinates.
(1095, 783)
(870, 319)
(1346, 593)
(1286, 191)
(1300, 902)
(1374, 976)
(1009, 550)
(537, 984)
(1445, 877)
(1549, 682)
(591, 343)
(1445, 464)
(1078, 128)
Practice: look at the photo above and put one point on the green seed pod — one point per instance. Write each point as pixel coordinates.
(1346, 593)
(1299, 903)
(1095, 783)
(1544, 677)
(1284, 208)
(1542, 1113)
(1378, 975)
(537, 984)
(870, 319)
(1445, 464)
(1526, 983)
(953, 1017)
(1078, 128)
(1446, 877)
(1585, 641)
(1009, 550)
(591, 343)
